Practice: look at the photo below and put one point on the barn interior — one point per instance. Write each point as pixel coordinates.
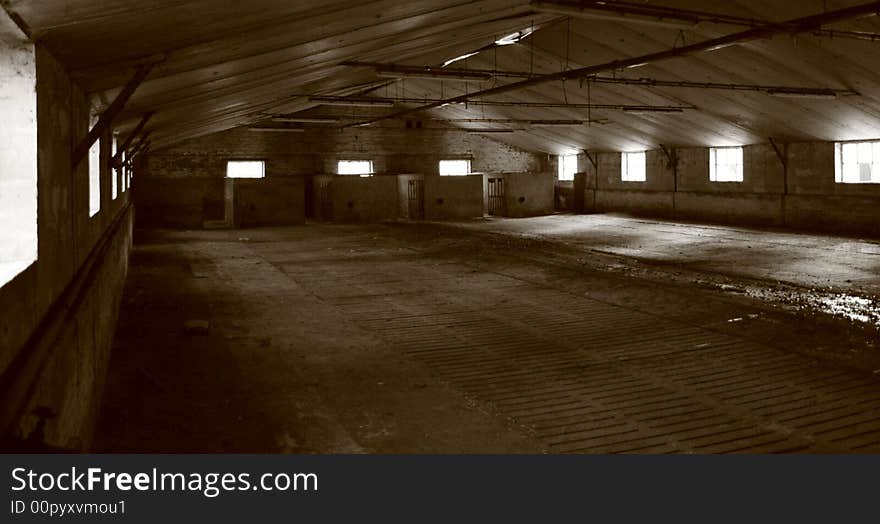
(440, 226)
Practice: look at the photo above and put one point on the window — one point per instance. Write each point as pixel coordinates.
(726, 164)
(114, 174)
(455, 167)
(95, 175)
(857, 162)
(18, 151)
(243, 169)
(124, 171)
(355, 167)
(632, 167)
(568, 166)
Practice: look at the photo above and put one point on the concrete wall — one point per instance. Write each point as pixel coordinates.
(802, 195)
(179, 202)
(529, 194)
(451, 197)
(65, 373)
(365, 199)
(179, 185)
(269, 201)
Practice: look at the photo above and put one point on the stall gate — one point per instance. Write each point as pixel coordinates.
(496, 196)
(416, 199)
(325, 201)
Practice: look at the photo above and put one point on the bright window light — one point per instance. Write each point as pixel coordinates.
(726, 164)
(245, 169)
(632, 167)
(455, 167)
(355, 167)
(857, 162)
(567, 167)
(18, 151)
(95, 178)
(114, 174)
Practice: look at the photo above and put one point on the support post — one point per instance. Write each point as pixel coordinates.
(671, 160)
(780, 153)
(592, 161)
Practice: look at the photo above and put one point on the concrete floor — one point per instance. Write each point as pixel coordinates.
(559, 334)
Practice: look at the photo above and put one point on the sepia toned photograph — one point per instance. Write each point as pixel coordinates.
(469, 227)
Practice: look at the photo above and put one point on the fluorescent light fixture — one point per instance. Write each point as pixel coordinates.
(819, 94)
(350, 102)
(433, 74)
(620, 16)
(513, 38)
(547, 123)
(491, 130)
(646, 110)
(304, 120)
(720, 46)
(277, 129)
(462, 57)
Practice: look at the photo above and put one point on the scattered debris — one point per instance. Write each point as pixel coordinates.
(196, 327)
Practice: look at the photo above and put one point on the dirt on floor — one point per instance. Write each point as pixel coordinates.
(475, 338)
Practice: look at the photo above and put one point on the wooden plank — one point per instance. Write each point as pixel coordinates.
(106, 119)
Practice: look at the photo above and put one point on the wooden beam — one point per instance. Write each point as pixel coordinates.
(106, 119)
(670, 156)
(592, 160)
(117, 158)
(137, 149)
(798, 25)
(780, 152)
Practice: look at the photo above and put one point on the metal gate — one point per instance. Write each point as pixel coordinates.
(325, 201)
(496, 196)
(416, 199)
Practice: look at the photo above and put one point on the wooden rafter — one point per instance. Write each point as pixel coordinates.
(798, 25)
(106, 118)
(117, 158)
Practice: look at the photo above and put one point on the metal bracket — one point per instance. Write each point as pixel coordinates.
(592, 160)
(781, 153)
(106, 119)
(671, 157)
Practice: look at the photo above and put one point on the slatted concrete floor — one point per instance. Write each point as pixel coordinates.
(586, 375)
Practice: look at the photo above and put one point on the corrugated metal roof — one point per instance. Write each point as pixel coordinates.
(225, 64)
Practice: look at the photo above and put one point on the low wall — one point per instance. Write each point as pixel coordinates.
(190, 202)
(750, 208)
(365, 199)
(178, 202)
(529, 194)
(270, 202)
(58, 376)
(654, 203)
(452, 197)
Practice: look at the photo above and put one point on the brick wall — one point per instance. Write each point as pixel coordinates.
(176, 184)
(803, 194)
